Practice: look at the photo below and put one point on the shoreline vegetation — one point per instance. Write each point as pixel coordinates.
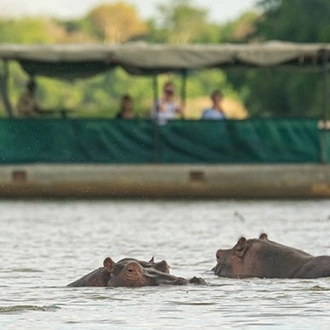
(263, 92)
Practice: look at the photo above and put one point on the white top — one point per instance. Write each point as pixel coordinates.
(169, 112)
(212, 114)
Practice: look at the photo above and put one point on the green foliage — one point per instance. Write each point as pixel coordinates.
(240, 30)
(100, 95)
(295, 20)
(116, 23)
(179, 22)
(280, 93)
(80, 26)
(286, 93)
(25, 31)
(265, 92)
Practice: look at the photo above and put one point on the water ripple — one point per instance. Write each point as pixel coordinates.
(78, 235)
(23, 308)
(21, 270)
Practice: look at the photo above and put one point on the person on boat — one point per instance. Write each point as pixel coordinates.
(215, 111)
(168, 107)
(126, 110)
(27, 106)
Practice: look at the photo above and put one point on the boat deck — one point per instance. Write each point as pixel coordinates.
(165, 181)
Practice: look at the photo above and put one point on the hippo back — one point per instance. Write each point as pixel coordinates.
(98, 277)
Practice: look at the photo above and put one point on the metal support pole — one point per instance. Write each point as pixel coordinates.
(4, 89)
(184, 88)
(156, 132)
(324, 132)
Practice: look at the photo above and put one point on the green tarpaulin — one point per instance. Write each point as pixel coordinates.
(140, 141)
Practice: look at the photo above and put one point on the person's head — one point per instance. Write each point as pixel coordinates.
(31, 85)
(168, 89)
(126, 103)
(126, 107)
(216, 96)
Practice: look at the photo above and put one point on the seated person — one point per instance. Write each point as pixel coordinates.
(28, 106)
(168, 106)
(126, 108)
(215, 111)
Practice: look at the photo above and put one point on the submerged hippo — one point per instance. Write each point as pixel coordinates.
(102, 275)
(266, 259)
(134, 274)
(98, 277)
(161, 266)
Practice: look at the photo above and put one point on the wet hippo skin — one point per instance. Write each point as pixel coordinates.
(102, 275)
(98, 277)
(267, 259)
(130, 272)
(134, 275)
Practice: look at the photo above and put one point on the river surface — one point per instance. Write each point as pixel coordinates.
(46, 245)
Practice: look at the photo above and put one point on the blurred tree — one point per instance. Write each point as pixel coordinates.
(275, 92)
(295, 20)
(75, 31)
(179, 22)
(25, 31)
(116, 23)
(99, 96)
(241, 29)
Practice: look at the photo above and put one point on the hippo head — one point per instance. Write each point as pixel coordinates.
(161, 266)
(230, 263)
(248, 258)
(260, 258)
(131, 275)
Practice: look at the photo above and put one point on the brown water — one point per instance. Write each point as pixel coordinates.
(46, 245)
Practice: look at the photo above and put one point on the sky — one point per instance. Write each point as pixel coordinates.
(220, 11)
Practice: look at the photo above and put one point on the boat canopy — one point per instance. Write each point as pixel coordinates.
(69, 61)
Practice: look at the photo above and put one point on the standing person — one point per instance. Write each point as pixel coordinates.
(215, 111)
(168, 106)
(28, 106)
(126, 110)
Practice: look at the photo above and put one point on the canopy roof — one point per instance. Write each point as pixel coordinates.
(81, 60)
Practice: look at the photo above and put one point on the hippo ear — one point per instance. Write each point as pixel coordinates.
(108, 263)
(240, 247)
(263, 236)
(152, 259)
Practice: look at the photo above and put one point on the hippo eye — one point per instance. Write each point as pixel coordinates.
(130, 270)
